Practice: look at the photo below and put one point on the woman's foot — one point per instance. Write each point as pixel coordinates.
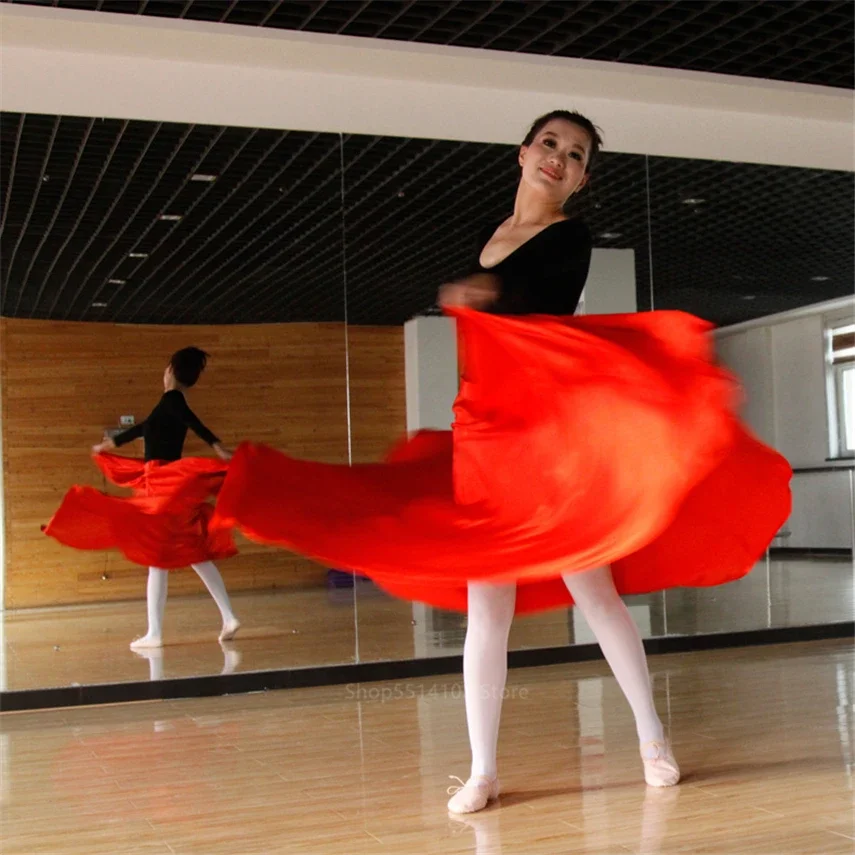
(147, 642)
(230, 628)
(660, 767)
(474, 795)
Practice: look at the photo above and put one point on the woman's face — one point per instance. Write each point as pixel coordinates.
(556, 161)
(167, 378)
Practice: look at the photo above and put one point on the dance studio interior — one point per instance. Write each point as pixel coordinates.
(286, 185)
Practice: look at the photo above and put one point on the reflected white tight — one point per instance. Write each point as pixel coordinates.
(485, 657)
(156, 591)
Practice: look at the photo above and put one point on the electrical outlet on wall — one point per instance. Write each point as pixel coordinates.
(127, 421)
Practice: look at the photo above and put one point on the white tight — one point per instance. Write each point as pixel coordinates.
(485, 657)
(158, 585)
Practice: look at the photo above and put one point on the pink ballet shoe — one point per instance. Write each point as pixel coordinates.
(660, 767)
(473, 795)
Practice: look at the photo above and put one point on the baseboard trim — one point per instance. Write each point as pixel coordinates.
(818, 552)
(369, 672)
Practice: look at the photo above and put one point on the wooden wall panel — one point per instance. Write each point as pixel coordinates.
(63, 383)
(378, 399)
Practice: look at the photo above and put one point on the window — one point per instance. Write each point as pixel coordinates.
(840, 357)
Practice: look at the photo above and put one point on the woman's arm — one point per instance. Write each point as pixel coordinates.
(192, 421)
(126, 436)
(474, 292)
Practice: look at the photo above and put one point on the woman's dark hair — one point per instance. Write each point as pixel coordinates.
(575, 119)
(187, 364)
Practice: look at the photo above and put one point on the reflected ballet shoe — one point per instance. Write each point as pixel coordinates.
(660, 767)
(231, 659)
(473, 795)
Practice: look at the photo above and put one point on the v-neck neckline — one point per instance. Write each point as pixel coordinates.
(514, 251)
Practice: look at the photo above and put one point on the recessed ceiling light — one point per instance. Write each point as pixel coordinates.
(116, 281)
(137, 255)
(820, 278)
(170, 218)
(99, 305)
(203, 176)
(610, 235)
(749, 297)
(693, 201)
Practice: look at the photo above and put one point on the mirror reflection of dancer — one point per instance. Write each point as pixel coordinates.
(164, 525)
(590, 457)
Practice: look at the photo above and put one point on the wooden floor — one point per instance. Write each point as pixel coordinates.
(299, 628)
(764, 735)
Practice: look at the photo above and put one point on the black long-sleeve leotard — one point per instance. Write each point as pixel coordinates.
(165, 430)
(543, 276)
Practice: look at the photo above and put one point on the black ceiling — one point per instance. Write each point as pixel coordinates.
(726, 241)
(765, 239)
(282, 235)
(82, 195)
(414, 208)
(805, 41)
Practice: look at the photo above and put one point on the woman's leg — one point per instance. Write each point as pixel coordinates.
(485, 671)
(156, 590)
(209, 574)
(595, 594)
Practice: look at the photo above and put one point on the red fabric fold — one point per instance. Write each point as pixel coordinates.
(576, 442)
(164, 523)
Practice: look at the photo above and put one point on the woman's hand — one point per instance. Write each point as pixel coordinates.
(222, 452)
(474, 292)
(106, 444)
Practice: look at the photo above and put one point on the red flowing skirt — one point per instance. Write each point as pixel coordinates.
(576, 443)
(164, 523)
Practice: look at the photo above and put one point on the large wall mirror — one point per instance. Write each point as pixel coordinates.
(124, 241)
(766, 253)
(307, 265)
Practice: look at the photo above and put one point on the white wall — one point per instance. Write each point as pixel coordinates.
(430, 366)
(124, 66)
(822, 511)
(782, 368)
(800, 411)
(610, 289)
(781, 362)
(750, 356)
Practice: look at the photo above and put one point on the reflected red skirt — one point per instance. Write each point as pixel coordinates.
(165, 523)
(576, 443)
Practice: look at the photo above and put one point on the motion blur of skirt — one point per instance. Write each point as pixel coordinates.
(576, 443)
(164, 523)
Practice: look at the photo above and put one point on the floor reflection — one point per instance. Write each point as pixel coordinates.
(779, 593)
(763, 735)
(345, 623)
(482, 832)
(155, 657)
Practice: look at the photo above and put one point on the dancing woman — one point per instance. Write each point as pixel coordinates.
(589, 457)
(164, 525)
(536, 262)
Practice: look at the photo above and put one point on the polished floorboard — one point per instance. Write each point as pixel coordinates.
(765, 736)
(88, 645)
